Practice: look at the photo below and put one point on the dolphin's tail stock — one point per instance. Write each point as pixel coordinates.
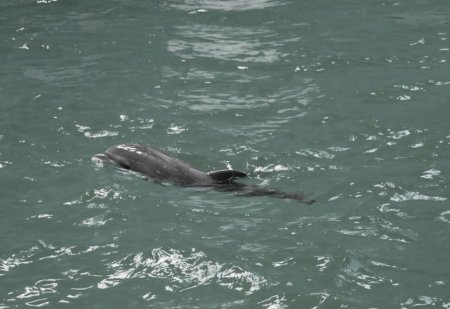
(252, 190)
(262, 191)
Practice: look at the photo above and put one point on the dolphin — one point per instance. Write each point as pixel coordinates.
(163, 167)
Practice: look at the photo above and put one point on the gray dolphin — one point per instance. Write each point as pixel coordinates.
(162, 167)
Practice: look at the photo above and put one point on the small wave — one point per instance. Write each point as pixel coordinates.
(338, 149)
(12, 262)
(183, 272)
(429, 174)
(274, 302)
(42, 251)
(93, 198)
(87, 133)
(41, 287)
(445, 216)
(272, 168)
(320, 154)
(378, 228)
(95, 221)
(400, 134)
(416, 196)
(174, 129)
(424, 301)
(323, 262)
(103, 133)
(355, 273)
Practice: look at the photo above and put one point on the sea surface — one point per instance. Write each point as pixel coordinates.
(347, 101)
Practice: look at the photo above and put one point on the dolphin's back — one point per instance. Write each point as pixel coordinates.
(156, 164)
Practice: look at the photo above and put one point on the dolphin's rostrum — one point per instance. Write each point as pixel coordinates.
(162, 167)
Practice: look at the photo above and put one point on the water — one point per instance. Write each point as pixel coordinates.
(344, 100)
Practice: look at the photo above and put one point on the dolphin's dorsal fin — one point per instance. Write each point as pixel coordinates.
(226, 175)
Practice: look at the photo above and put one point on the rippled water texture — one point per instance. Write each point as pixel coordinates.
(347, 101)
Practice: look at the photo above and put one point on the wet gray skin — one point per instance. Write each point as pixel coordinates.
(162, 167)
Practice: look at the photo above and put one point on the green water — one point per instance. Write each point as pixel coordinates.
(347, 101)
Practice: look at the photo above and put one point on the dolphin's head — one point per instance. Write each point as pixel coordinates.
(123, 155)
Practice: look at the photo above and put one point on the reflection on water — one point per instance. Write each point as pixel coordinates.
(176, 271)
(226, 43)
(182, 272)
(227, 5)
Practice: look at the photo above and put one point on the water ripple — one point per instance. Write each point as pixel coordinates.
(355, 273)
(274, 302)
(47, 291)
(416, 196)
(209, 103)
(425, 301)
(229, 5)
(379, 228)
(226, 43)
(103, 133)
(40, 288)
(445, 216)
(183, 272)
(319, 154)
